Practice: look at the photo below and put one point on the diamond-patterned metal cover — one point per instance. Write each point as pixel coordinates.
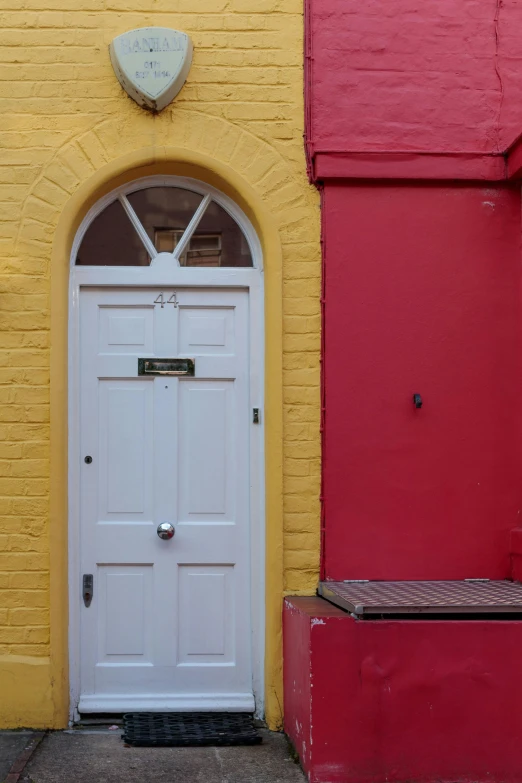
(466, 597)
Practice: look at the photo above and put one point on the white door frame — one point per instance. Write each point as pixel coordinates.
(166, 272)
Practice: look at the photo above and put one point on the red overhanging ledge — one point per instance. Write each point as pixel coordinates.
(414, 165)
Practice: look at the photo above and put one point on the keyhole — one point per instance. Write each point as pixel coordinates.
(88, 460)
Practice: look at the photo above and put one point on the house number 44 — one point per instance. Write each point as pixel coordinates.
(160, 299)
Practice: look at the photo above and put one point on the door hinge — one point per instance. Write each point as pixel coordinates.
(255, 416)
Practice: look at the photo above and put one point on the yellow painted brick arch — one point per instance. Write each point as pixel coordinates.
(261, 166)
(272, 189)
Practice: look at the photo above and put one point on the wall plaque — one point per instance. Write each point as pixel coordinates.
(152, 64)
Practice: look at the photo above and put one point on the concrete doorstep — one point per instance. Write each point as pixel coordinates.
(100, 756)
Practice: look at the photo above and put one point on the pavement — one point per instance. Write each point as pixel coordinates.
(12, 744)
(100, 756)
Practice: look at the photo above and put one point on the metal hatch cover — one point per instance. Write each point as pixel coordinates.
(368, 599)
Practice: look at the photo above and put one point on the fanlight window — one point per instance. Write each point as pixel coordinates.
(135, 227)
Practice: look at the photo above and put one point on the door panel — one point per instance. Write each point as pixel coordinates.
(122, 329)
(209, 331)
(126, 607)
(126, 449)
(169, 623)
(206, 610)
(206, 449)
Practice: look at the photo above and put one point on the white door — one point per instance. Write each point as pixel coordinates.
(169, 623)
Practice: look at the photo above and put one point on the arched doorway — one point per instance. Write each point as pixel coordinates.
(165, 423)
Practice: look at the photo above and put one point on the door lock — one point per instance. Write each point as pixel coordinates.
(87, 589)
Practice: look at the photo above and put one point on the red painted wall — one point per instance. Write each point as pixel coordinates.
(422, 290)
(380, 701)
(403, 75)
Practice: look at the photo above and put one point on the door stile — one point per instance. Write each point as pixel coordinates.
(165, 423)
(88, 443)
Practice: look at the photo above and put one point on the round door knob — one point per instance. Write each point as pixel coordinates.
(165, 531)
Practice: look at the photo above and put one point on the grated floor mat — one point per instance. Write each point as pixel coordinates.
(186, 729)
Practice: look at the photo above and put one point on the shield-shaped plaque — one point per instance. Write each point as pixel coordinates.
(152, 64)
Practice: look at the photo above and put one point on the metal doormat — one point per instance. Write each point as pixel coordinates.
(368, 599)
(189, 729)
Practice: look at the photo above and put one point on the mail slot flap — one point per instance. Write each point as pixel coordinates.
(166, 366)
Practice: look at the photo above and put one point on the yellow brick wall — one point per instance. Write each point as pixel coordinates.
(63, 116)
